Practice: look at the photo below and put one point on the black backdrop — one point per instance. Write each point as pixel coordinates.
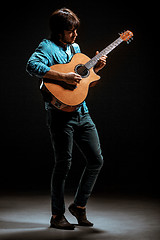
(124, 105)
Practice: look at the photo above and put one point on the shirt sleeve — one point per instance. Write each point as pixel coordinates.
(39, 62)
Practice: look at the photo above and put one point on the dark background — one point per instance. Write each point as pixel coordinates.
(124, 105)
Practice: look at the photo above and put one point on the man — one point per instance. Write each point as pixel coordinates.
(66, 127)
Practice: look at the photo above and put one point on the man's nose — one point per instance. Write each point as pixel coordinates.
(75, 33)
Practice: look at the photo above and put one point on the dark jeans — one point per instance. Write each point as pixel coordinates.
(64, 129)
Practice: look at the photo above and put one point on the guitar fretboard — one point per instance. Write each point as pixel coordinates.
(91, 63)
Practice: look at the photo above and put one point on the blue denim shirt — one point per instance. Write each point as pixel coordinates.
(48, 54)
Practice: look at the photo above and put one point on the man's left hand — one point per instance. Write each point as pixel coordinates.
(101, 63)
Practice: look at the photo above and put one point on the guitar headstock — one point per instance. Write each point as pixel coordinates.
(126, 36)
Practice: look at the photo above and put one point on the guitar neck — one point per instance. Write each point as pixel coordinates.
(91, 63)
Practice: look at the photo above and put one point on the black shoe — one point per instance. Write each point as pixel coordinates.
(80, 214)
(61, 222)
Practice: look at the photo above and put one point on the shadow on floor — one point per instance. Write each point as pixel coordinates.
(30, 231)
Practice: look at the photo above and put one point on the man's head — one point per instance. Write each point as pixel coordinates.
(63, 25)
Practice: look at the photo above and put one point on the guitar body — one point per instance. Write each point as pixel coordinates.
(68, 97)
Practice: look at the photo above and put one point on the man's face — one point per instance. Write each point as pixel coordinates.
(69, 37)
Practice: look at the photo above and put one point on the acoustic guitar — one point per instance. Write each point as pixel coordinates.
(68, 97)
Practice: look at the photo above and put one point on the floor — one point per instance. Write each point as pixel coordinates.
(26, 217)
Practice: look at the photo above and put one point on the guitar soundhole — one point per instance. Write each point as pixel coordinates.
(82, 70)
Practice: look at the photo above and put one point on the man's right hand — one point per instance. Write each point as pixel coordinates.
(72, 78)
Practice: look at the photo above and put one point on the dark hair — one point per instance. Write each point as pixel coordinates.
(60, 20)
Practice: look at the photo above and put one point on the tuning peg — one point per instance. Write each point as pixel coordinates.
(129, 40)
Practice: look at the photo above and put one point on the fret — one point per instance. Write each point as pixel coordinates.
(91, 63)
